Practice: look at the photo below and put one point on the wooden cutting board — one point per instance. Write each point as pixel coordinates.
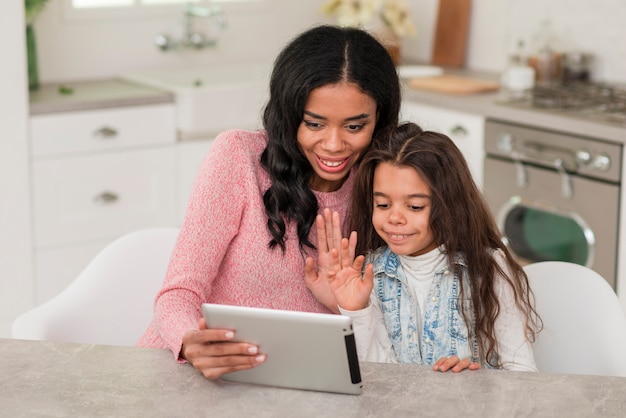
(453, 84)
(451, 33)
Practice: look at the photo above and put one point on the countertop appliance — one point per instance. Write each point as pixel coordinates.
(556, 196)
(604, 103)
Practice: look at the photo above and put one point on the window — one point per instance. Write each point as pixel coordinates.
(103, 9)
(84, 4)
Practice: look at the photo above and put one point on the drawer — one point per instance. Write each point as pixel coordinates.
(103, 196)
(101, 130)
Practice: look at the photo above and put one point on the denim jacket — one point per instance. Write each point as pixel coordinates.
(444, 330)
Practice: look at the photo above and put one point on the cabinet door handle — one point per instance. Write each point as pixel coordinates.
(106, 198)
(458, 131)
(106, 132)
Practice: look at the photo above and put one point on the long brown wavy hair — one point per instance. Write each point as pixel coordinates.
(460, 220)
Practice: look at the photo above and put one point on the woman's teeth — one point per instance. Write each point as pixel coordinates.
(332, 163)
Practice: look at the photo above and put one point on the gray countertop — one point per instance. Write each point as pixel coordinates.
(65, 379)
(97, 94)
(492, 106)
(100, 94)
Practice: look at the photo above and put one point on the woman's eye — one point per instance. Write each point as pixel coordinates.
(312, 125)
(355, 128)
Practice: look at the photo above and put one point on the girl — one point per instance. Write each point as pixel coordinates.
(439, 286)
(248, 227)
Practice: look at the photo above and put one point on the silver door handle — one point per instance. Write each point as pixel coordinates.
(567, 189)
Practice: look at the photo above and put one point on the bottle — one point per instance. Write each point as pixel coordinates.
(546, 61)
(518, 79)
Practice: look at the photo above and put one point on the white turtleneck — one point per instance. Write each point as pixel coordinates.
(420, 272)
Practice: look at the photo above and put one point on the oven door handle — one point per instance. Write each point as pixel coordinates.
(534, 152)
(544, 157)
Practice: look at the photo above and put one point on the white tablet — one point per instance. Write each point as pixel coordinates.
(310, 351)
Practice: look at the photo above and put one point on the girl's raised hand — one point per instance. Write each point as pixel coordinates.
(329, 236)
(350, 287)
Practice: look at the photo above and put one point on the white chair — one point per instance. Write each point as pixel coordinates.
(584, 324)
(111, 301)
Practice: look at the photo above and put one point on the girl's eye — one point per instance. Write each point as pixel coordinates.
(416, 208)
(381, 205)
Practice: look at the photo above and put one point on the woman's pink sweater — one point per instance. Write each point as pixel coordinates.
(222, 253)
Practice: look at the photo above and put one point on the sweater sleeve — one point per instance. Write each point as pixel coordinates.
(212, 220)
(514, 350)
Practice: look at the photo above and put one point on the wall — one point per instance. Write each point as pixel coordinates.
(88, 48)
(16, 291)
(73, 49)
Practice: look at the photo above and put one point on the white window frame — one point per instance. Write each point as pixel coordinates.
(143, 11)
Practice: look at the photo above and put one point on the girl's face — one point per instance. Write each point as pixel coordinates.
(401, 215)
(337, 127)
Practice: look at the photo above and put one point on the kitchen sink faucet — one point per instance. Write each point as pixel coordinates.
(190, 37)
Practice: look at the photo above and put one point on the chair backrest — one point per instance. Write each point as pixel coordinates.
(111, 301)
(584, 324)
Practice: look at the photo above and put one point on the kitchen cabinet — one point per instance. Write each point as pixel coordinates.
(96, 175)
(465, 129)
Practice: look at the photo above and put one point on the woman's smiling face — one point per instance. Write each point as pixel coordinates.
(337, 127)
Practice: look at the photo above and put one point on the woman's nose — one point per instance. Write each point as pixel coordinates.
(333, 141)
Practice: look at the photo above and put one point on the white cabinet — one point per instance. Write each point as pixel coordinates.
(97, 175)
(465, 129)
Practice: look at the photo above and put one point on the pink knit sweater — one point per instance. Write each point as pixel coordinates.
(222, 254)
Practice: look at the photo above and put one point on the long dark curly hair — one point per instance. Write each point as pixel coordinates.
(460, 220)
(320, 56)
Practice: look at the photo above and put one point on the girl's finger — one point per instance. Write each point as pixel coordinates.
(352, 244)
(346, 261)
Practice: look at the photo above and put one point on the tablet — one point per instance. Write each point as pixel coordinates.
(310, 351)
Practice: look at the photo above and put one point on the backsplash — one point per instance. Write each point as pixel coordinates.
(96, 48)
(595, 26)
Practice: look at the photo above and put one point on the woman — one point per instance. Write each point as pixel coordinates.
(248, 228)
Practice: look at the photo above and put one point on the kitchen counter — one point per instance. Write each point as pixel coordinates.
(100, 94)
(97, 94)
(65, 379)
(490, 105)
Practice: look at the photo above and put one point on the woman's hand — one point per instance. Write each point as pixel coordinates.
(214, 354)
(455, 364)
(328, 226)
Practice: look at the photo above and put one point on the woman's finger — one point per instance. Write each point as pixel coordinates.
(320, 226)
(337, 233)
(328, 225)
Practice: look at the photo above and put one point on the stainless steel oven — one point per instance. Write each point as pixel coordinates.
(555, 196)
